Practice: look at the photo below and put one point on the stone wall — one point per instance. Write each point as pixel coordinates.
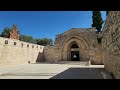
(52, 54)
(111, 43)
(18, 52)
(96, 55)
(86, 39)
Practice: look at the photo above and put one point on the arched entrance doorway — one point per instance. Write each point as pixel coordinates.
(75, 47)
(74, 52)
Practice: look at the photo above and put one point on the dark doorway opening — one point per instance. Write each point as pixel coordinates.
(75, 56)
(74, 46)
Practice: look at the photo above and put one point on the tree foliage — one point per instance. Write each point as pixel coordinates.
(39, 41)
(28, 39)
(97, 20)
(6, 32)
(44, 41)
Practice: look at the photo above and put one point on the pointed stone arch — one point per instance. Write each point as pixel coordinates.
(81, 43)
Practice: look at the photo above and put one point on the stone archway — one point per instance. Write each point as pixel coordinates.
(74, 52)
(83, 49)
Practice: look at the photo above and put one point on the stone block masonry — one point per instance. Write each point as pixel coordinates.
(85, 40)
(81, 42)
(14, 51)
(111, 43)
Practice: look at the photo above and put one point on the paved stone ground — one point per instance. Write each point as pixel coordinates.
(51, 71)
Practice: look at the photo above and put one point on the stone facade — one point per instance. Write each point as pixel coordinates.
(13, 51)
(86, 40)
(14, 33)
(111, 43)
(79, 42)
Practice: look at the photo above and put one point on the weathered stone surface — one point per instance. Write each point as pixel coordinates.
(111, 43)
(18, 54)
(86, 39)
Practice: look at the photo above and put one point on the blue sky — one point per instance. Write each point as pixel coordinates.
(46, 24)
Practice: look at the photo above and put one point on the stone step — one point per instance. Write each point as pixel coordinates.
(106, 75)
(82, 63)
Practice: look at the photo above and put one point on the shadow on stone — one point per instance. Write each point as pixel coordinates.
(80, 73)
(40, 57)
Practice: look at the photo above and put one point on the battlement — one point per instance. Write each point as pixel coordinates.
(18, 43)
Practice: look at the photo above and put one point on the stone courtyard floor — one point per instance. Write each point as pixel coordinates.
(52, 71)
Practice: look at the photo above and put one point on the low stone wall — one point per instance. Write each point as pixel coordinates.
(18, 52)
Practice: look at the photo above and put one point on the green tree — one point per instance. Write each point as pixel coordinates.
(6, 32)
(27, 38)
(44, 41)
(50, 42)
(97, 20)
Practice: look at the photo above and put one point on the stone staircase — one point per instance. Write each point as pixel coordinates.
(82, 63)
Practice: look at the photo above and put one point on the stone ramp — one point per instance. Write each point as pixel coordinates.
(81, 63)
